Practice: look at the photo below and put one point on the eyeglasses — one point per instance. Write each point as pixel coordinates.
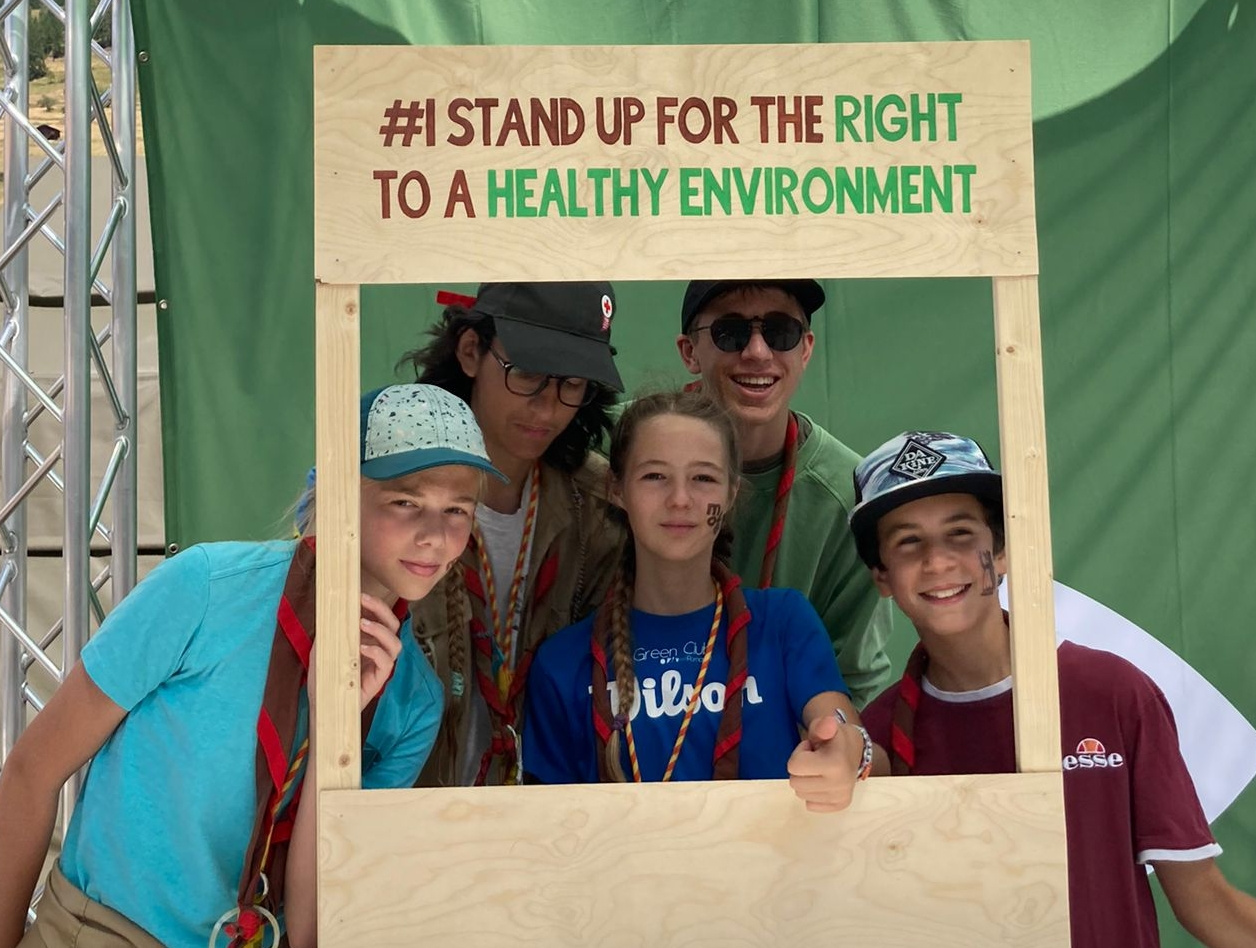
(572, 391)
(732, 333)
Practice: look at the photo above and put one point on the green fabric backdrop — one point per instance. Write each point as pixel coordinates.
(1145, 142)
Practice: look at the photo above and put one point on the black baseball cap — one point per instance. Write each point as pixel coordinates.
(555, 328)
(699, 293)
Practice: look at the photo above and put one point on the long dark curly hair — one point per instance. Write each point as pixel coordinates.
(437, 364)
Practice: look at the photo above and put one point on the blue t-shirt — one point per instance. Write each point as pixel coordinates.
(165, 815)
(790, 662)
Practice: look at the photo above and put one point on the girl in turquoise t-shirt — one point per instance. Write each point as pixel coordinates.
(681, 674)
(194, 703)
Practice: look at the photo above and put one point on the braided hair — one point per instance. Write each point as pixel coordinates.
(612, 634)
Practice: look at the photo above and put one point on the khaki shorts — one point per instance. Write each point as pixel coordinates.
(69, 919)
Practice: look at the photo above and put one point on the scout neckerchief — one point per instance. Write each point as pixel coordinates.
(260, 894)
(505, 626)
(499, 677)
(783, 487)
(725, 756)
(903, 718)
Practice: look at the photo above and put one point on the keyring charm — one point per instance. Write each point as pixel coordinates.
(268, 919)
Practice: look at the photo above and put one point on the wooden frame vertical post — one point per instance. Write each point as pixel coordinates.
(1023, 443)
(335, 735)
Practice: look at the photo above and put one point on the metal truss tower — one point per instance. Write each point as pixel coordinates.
(106, 358)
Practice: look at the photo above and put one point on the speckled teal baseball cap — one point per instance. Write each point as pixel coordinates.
(408, 428)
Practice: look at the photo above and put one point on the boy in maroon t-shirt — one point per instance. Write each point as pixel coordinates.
(929, 524)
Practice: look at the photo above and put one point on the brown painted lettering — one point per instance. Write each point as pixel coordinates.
(459, 193)
(384, 176)
(403, 191)
(467, 135)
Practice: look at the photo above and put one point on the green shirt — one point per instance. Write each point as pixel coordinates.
(817, 555)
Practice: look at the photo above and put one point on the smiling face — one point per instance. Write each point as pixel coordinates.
(939, 563)
(517, 429)
(675, 488)
(756, 383)
(414, 528)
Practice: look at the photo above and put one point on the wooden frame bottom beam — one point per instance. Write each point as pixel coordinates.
(942, 862)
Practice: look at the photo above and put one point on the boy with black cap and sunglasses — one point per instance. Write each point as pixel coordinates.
(929, 525)
(750, 341)
(535, 363)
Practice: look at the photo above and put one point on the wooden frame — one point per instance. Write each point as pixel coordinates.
(976, 860)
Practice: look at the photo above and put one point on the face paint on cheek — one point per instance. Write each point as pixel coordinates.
(990, 579)
(715, 517)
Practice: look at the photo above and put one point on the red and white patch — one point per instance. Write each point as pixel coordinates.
(608, 310)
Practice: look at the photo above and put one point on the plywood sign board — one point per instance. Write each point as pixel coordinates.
(920, 862)
(655, 162)
(550, 163)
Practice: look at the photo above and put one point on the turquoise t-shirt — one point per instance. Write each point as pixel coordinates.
(166, 812)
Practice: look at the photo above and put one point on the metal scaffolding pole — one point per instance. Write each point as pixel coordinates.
(13, 340)
(77, 456)
(85, 244)
(125, 538)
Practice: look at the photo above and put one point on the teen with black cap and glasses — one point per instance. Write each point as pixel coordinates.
(751, 341)
(535, 363)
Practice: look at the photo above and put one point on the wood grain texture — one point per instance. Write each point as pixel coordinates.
(338, 755)
(354, 86)
(942, 862)
(1027, 514)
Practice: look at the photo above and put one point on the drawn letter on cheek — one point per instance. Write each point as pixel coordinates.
(715, 516)
(990, 580)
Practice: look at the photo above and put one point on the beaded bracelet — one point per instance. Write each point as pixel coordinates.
(865, 762)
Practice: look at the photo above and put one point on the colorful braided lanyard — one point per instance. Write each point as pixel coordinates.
(504, 627)
(694, 700)
(250, 931)
(783, 487)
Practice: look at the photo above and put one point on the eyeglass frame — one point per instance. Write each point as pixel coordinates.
(756, 323)
(591, 388)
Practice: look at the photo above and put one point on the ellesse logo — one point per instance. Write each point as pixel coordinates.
(1090, 755)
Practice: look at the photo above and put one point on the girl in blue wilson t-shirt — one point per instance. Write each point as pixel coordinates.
(681, 674)
(192, 704)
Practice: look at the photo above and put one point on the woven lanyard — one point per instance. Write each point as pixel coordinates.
(694, 700)
(276, 770)
(504, 626)
(783, 487)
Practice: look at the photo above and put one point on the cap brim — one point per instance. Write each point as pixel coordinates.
(986, 485)
(554, 352)
(421, 459)
(809, 293)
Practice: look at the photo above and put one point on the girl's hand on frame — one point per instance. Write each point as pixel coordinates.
(824, 767)
(380, 646)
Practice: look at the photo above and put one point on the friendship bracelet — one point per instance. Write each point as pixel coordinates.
(865, 762)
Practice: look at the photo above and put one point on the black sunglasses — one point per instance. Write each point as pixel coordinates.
(732, 333)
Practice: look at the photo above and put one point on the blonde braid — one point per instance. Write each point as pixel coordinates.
(625, 674)
(457, 622)
(457, 616)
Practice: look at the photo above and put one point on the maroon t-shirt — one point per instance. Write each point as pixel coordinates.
(1128, 798)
